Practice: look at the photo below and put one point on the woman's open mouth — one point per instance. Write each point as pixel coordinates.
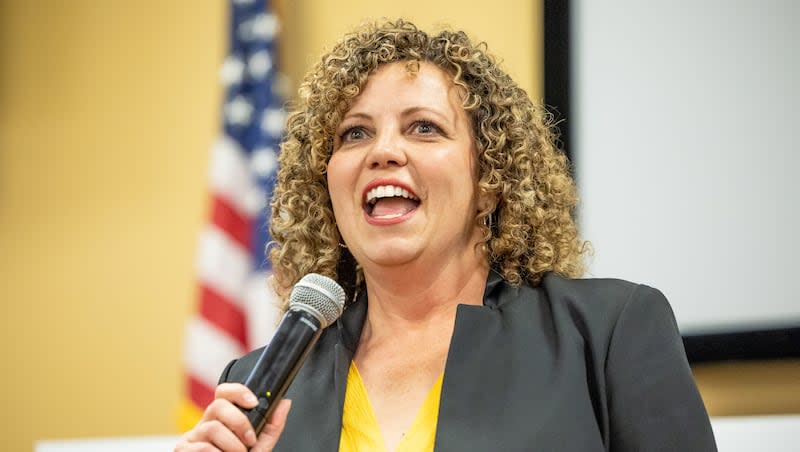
(386, 202)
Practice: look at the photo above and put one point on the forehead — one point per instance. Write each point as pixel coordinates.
(398, 85)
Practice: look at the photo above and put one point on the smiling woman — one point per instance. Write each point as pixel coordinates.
(419, 174)
(407, 130)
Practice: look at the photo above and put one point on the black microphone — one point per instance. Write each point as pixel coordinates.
(316, 301)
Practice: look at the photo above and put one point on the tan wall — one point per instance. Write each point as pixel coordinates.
(509, 26)
(107, 110)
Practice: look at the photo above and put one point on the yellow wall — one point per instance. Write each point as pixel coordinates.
(107, 110)
(509, 26)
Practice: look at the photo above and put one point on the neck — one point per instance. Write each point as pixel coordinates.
(410, 298)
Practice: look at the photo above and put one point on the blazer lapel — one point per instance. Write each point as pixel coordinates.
(467, 401)
(471, 414)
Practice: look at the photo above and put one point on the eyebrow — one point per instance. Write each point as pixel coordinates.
(407, 112)
(349, 116)
(437, 113)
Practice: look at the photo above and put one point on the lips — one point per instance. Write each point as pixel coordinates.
(388, 200)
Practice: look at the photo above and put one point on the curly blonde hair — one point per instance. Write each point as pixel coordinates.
(528, 232)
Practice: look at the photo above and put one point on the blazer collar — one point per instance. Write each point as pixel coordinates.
(352, 320)
(351, 323)
(494, 284)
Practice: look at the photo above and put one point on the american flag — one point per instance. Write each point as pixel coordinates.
(236, 309)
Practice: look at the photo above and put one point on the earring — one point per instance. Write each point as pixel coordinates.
(342, 245)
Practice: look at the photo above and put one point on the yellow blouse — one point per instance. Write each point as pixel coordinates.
(360, 429)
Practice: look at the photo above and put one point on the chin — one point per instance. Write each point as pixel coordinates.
(392, 254)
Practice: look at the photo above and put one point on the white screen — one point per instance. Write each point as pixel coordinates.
(685, 130)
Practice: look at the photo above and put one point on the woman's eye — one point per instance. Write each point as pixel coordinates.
(353, 134)
(425, 128)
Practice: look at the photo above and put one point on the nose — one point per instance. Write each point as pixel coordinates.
(387, 151)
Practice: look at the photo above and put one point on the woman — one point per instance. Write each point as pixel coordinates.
(419, 175)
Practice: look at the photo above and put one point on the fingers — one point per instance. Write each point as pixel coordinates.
(225, 428)
(222, 408)
(224, 421)
(215, 433)
(273, 428)
(236, 393)
(223, 425)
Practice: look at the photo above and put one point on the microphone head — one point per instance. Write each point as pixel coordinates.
(320, 296)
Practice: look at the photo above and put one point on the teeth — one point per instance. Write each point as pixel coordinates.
(388, 191)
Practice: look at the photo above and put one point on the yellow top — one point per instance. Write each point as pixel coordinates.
(360, 429)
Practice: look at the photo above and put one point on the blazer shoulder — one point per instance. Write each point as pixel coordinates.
(600, 303)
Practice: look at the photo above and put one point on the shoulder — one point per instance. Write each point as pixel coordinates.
(600, 304)
(599, 294)
(602, 315)
(623, 336)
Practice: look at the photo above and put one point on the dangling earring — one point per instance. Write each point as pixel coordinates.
(487, 222)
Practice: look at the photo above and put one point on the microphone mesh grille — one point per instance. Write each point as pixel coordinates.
(321, 294)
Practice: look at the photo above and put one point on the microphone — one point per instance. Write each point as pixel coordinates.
(316, 301)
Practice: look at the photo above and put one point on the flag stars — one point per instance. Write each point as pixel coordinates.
(265, 26)
(264, 162)
(262, 26)
(232, 71)
(259, 64)
(273, 121)
(239, 111)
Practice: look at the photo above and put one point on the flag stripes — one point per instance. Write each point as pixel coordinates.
(227, 218)
(223, 314)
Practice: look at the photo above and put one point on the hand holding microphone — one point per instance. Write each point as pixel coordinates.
(239, 413)
(224, 427)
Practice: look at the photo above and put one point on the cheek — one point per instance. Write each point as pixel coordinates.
(334, 168)
(340, 180)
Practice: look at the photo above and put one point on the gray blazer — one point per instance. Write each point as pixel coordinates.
(570, 365)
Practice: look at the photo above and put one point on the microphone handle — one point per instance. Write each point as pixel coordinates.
(279, 362)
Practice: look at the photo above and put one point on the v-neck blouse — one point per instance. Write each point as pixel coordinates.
(360, 429)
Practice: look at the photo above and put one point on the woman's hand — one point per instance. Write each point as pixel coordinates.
(225, 428)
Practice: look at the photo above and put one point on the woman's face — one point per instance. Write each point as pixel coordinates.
(402, 177)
